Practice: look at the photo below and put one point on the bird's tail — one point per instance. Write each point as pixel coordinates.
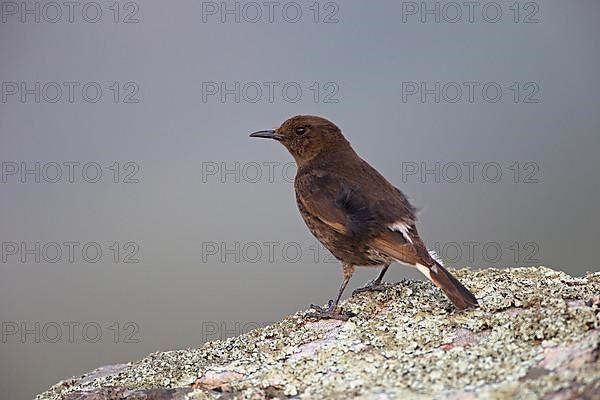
(429, 264)
(456, 292)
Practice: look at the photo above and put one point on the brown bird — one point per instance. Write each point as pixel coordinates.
(361, 218)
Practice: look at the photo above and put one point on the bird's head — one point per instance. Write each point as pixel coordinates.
(307, 136)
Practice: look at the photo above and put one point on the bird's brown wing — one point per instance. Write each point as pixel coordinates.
(407, 248)
(349, 207)
(317, 195)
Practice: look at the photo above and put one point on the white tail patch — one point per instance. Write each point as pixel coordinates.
(436, 257)
(424, 270)
(403, 229)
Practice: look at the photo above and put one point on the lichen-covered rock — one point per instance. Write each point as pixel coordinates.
(536, 335)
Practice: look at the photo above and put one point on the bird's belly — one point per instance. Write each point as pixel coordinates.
(345, 249)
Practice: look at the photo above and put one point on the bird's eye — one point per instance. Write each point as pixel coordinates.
(300, 131)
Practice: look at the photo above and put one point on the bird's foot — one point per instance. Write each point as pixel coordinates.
(371, 286)
(331, 312)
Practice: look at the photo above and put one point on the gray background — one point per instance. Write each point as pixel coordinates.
(179, 294)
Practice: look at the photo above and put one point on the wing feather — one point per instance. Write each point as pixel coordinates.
(348, 207)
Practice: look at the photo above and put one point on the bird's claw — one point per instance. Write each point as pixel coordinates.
(371, 286)
(331, 312)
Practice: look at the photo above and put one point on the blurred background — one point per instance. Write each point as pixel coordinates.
(137, 215)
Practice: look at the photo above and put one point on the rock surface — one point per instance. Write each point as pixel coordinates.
(536, 335)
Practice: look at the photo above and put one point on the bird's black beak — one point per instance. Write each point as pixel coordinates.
(268, 134)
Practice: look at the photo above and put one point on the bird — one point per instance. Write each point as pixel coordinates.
(355, 212)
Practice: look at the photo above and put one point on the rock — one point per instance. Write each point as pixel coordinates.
(536, 335)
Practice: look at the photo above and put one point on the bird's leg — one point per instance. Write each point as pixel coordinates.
(374, 285)
(331, 311)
